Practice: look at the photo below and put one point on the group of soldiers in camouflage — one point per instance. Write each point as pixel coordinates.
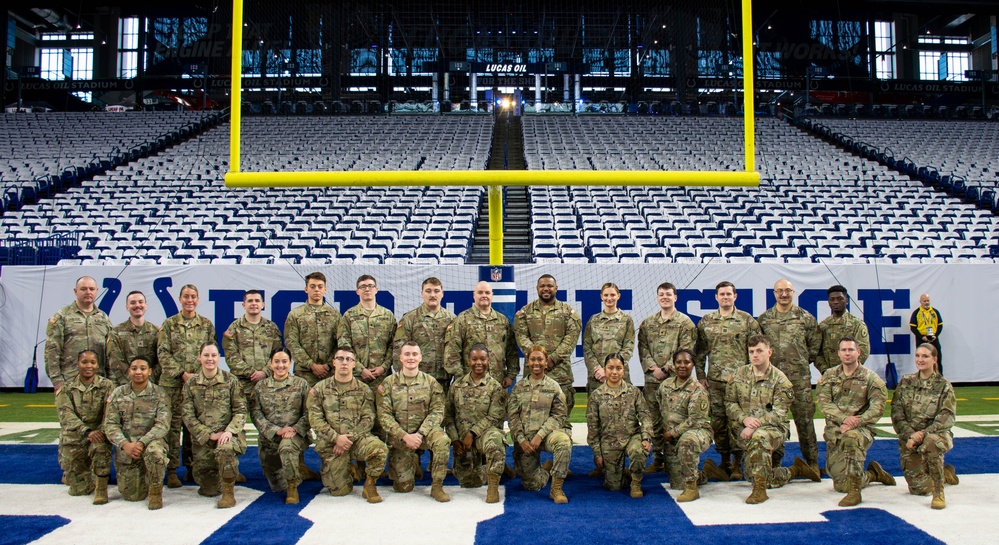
(373, 391)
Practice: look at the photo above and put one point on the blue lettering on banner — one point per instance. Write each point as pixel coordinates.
(224, 302)
(877, 322)
(809, 300)
(113, 287)
(160, 287)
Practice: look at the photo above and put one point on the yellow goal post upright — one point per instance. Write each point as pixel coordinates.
(494, 180)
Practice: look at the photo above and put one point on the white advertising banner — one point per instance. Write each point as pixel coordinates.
(966, 295)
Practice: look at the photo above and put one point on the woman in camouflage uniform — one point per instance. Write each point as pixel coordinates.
(610, 331)
(84, 451)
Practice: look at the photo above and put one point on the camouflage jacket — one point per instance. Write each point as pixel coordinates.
(724, 342)
(613, 416)
(794, 338)
(370, 334)
(280, 403)
(765, 398)
(832, 330)
(69, 332)
(177, 346)
(473, 406)
(683, 405)
(536, 407)
(142, 416)
(213, 405)
(923, 404)
(127, 342)
(248, 348)
(606, 334)
(556, 328)
(470, 328)
(333, 411)
(81, 406)
(310, 334)
(862, 395)
(428, 330)
(410, 405)
(660, 339)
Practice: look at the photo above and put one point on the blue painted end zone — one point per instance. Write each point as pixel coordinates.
(18, 530)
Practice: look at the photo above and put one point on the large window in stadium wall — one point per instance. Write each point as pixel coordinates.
(943, 65)
(884, 49)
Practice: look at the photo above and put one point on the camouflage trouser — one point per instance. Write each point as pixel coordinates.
(214, 462)
(134, 476)
(923, 465)
(533, 476)
(570, 401)
(173, 437)
(81, 461)
(614, 463)
(682, 456)
(279, 460)
(845, 455)
(403, 461)
(724, 442)
(651, 394)
(803, 411)
(335, 469)
(759, 451)
(469, 469)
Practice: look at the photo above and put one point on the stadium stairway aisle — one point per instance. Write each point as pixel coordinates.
(507, 153)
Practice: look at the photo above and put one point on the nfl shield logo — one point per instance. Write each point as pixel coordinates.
(496, 274)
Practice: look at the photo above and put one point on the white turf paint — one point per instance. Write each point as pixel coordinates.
(398, 516)
(970, 516)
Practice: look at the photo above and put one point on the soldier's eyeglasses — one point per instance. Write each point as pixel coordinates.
(366, 287)
(346, 359)
(783, 292)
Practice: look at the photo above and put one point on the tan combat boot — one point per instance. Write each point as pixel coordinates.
(305, 471)
(173, 481)
(556, 493)
(492, 490)
(370, 492)
(878, 474)
(437, 491)
(291, 493)
(950, 475)
(759, 494)
(656, 466)
(853, 496)
(712, 471)
(636, 487)
(690, 492)
(802, 469)
(508, 471)
(155, 496)
(101, 491)
(939, 502)
(736, 466)
(597, 472)
(228, 498)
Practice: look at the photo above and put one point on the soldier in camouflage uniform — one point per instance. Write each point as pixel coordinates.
(427, 325)
(852, 398)
(923, 411)
(610, 331)
(554, 325)
(536, 412)
(133, 338)
(249, 342)
(411, 410)
(684, 404)
(840, 324)
(278, 410)
(342, 412)
(84, 451)
(722, 338)
(368, 328)
(482, 325)
(136, 422)
(177, 348)
(794, 336)
(215, 413)
(76, 327)
(660, 337)
(618, 425)
(310, 332)
(473, 419)
(757, 399)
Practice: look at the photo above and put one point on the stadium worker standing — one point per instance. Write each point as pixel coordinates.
(795, 340)
(757, 399)
(310, 331)
(923, 410)
(411, 411)
(84, 451)
(618, 426)
(78, 326)
(473, 420)
(249, 342)
(368, 328)
(722, 341)
(482, 325)
(660, 337)
(215, 413)
(136, 423)
(133, 338)
(554, 325)
(342, 412)
(838, 325)
(610, 331)
(926, 325)
(177, 347)
(536, 412)
(426, 325)
(278, 410)
(853, 398)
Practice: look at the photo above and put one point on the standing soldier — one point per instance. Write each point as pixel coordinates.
(76, 327)
(794, 336)
(838, 325)
(473, 418)
(310, 332)
(757, 399)
(177, 347)
(482, 325)
(342, 412)
(411, 410)
(555, 326)
(427, 325)
(537, 412)
(131, 339)
(136, 422)
(853, 398)
(249, 342)
(368, 328)
(610, 331)
(84, 451)
(660, 337)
